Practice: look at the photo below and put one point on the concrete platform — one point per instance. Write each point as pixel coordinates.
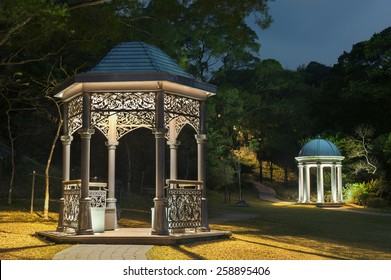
(141, 236)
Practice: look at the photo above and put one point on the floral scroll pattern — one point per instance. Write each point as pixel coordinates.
(184, 208)
(71, 204)
(133, 110)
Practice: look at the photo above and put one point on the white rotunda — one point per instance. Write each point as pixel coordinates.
(320, 154)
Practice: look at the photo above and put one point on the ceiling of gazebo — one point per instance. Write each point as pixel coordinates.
(133, 66)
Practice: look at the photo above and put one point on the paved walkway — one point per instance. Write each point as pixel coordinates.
(104, 252)
(265, 193)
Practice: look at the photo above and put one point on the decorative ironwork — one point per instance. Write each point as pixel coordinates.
(123, 101)
(75, 109)
(133, 110)
(98, 193)
(130, 121)
(71, 203)
(184, 208)
(100, 120)
(184, 110)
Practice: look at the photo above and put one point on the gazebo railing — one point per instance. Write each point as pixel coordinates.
(72, 193)
(184, 204)
(72, 189)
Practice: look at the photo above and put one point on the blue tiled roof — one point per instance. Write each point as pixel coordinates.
(319, 147)
(137, 57)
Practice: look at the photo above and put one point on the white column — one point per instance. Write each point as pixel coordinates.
(173, 159)
(339, 183)
(320, 186)
(308, 184)
(66, 156)
(333, 184)
(201, 141)
(301, 185)
(111, 207)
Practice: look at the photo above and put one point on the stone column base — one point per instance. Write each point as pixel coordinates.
(85, 225)
(159, 220)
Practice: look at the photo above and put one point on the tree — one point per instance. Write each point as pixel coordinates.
(208, 35)
(361, 149)
(44, 40)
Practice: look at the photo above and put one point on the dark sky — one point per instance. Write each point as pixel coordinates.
(320, 30)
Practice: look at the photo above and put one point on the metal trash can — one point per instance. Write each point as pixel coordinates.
(98, 194)
(98, 219)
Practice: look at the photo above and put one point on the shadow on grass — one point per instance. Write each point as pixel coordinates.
(192, 255)
(290, 250)
(16, 249)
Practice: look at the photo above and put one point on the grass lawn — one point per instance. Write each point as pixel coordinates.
(18, 240)
(284, 231)
(262, 231)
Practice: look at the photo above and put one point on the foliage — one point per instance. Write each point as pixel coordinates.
(43, 42)
(366, 194)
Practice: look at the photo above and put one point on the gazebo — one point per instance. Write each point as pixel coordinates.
(320, 154)
(135, 85)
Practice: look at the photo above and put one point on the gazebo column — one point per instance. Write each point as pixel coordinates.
(111, 144)
(301, 183)
(159, 222)
(201, 166)
(307, 184)
(320, 186)
(333, 184)
(174, 145)
(66, 164)
(84, 218)
(111, 208)
(339, 183)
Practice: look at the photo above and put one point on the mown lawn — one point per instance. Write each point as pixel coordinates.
(262, 231)
(17, 236)
(285, 231)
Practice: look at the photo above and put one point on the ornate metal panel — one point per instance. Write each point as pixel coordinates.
(100, 120)
(71, 204)
(184, 208)
(98, 198)
(75, 109)
(185, 110)
(133, 109)
(123, 101)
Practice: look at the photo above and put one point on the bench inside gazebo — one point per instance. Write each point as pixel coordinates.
(135, 85)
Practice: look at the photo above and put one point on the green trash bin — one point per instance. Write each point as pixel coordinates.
(98, 219)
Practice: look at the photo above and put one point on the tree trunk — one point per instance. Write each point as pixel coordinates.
(260, 169)
(286, 173)
(12, 176)
(271, 169)
(47, 175)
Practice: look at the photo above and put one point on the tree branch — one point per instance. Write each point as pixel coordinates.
(14, 30)
(87, 4)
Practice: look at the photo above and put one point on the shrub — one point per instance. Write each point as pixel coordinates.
(376, 202)
(365, 194)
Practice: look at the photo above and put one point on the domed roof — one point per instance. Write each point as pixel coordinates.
(319, 147)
